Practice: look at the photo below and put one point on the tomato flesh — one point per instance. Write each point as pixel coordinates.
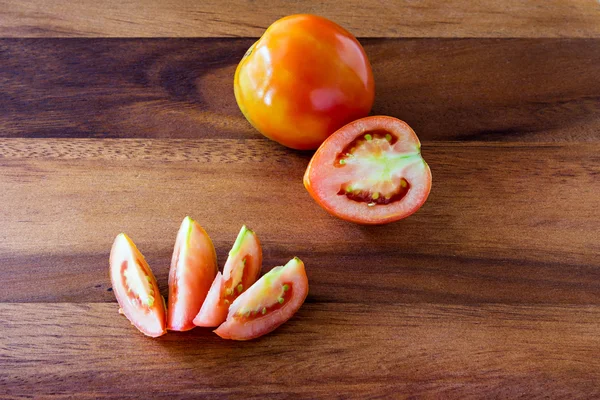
(285, 294)
(135, 288)
(193, 269)
(270, 302)
(240, 272)
(370, 171)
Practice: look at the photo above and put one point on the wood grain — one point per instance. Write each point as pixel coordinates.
(446, 89)
(120, 116)
(387, 18)
(64, 201)
(426, 350)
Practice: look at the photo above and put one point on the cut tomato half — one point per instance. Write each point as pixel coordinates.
(267, 304)
(135, 287)
(193, 268)
(370, 172)
(240, 272)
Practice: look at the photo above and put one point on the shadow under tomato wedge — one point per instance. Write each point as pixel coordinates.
(240, 272)
(267, 304)
(135, 288)
(370, 171)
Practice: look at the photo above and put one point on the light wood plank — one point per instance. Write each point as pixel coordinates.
(446, 89)
(346, 350)
(515, 223)
(214, 18)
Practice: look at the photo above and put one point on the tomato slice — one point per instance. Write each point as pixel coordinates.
(267, 304)
(240, 272)
(370, 171)
(135, 287)
(193, 268)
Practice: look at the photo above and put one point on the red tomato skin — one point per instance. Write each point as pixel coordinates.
(320, 169)
(213, 312)
(302, 80)
(193, 269)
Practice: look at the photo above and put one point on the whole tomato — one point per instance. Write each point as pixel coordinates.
(302, 80)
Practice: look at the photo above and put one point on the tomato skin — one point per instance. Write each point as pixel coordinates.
(124, 255)
(193, 268)
(264, 294)
(302, 80)
(213, 312)
(323, 180)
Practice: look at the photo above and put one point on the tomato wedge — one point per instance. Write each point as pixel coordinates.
(271, 301)
(370, 172)
(135, 288)
(240, 272)
(193, 268)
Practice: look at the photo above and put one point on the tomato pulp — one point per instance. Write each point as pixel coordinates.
(370, 171)
(135, 288)
(240, 272)
(270, 302)
(193, 268)
(302, 80)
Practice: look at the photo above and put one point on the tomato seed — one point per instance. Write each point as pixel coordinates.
(376, 198)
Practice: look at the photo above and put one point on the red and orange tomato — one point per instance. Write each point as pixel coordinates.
(302, 80)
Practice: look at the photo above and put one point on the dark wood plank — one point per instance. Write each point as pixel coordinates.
(333, 350)
(447, 89)
(387, 18)
(512, 223)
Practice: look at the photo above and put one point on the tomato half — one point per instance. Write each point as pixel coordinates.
(135, 287)
(370, 172)
(240, 272)
(271, 301)
(302, 80)
(193, 268)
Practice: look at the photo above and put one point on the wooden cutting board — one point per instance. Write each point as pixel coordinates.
(121, 117)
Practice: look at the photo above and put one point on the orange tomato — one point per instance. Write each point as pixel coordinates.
(302, 80)
(370, 171)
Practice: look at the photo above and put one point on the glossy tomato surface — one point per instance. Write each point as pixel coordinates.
(240, 272)
(135, 287)
(270, 302)
(193, 269)
(370, 171)
(302, 80)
